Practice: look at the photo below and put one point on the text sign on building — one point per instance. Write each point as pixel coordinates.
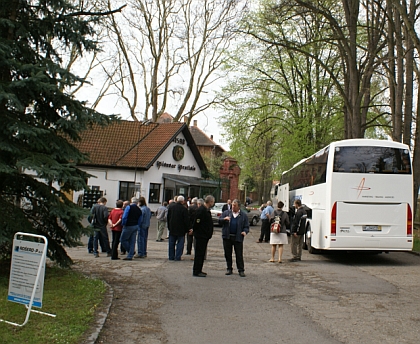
(27, 261)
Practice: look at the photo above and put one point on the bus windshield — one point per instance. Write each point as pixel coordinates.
(371, 159)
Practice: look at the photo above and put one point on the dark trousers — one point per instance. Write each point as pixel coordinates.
(199, 253)
(190, 239)
(101, 236)
(265, 231)
(239, 249)
(115, 242)
(90, 244)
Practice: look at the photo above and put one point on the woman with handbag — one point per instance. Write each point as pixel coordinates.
(278, 234)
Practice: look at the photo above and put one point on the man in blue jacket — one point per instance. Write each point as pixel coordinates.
(143, 230)
(131, 221)
(235, 227)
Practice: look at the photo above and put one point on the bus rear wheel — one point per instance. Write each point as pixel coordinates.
(307, 242)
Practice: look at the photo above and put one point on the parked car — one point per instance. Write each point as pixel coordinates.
(216, 211)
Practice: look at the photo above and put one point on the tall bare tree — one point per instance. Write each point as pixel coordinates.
(167, 54)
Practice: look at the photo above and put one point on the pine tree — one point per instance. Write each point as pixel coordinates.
(39, 120)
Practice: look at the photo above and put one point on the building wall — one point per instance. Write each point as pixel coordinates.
(108, 179)
(230, 171)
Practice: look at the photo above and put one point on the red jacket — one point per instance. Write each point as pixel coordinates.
(114, 216)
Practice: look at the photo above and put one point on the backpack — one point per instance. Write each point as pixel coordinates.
(276, 225)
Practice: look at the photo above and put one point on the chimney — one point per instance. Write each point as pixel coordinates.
(185, 119)
(195, 123)
(211, 137)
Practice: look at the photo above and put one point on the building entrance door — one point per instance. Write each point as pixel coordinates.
(168, 194)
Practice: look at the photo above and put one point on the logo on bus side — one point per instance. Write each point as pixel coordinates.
(361, 187)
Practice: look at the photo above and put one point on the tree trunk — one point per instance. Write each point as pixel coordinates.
(416, 158)
(397, 125)
(409, 83)
(351, 9)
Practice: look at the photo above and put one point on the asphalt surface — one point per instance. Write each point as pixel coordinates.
(323, 299)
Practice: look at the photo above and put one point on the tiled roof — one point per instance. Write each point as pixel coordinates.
(201, 139)
(126, 144)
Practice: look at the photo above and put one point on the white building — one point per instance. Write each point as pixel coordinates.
(153, 160)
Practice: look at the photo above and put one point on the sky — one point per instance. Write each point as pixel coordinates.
(207, 120)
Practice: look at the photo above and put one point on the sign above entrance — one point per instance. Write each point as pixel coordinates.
(180, 167)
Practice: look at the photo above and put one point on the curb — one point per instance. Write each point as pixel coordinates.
(100, 316)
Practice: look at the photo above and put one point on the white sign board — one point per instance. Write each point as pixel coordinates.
(27, 260)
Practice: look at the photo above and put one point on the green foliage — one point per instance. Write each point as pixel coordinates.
(38, 120)
(416, 240)
(73, 306)
(213, 163)
(281, 105)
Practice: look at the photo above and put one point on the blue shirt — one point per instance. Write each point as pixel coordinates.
(146, 214)
(267, 211)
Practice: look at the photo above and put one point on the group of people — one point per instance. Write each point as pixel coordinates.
(297, 229)
(195, 222)
(129, 223)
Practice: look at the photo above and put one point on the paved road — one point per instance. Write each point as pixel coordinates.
(327, 298)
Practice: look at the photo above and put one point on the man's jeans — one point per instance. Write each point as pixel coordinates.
(179, 242)
(101, 236)
(160, 229)
(128, 239)
(142, 235)
(296, 244)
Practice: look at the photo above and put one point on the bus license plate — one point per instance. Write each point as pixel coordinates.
(371, 228)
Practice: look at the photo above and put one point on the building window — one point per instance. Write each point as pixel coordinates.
(127, 190)
(154, 193)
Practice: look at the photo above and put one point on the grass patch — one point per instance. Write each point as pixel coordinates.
(416, 239)
(68, 294)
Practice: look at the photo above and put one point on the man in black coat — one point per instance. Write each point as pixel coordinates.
(203, 231)
(191, 212)
(297, 231)
(227, 206)
(178, 225)
(100, 214)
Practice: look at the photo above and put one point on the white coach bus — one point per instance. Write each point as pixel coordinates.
(358, 195)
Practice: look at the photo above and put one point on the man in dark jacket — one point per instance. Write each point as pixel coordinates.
(99, 214)
(203, 231)
(235, 227)
(227, 206)
(191, 212)
(178, 225)
(297, 231)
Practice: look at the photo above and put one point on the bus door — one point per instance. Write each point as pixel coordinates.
(283, 195)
